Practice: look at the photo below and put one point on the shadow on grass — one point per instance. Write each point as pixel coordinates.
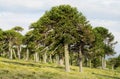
(106, 76)
(23, 64)
(32, 64)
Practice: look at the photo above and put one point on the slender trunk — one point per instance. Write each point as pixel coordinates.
(27, 55)
(112, 67)
(103, 63)
(36, 57)
(11, 54)
(50, 58)
(57, 59)
(10, 51)
(90, 63)
(14, 53)
(19, 50)
(80, 60)
(67, 67)
(54, 59)
(44, 57)
(61, 60)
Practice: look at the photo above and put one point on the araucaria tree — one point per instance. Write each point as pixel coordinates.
(65, 23)
(104, 44)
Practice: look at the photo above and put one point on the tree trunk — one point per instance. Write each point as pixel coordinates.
(10, 51)
(112, 67)
(90, 63)
(44, 57)
(14, 53)
(61, 60)
(19, 51)
(36, 57)
(11, 54)
(54, 59)
(50, 58)
(103, 63)
(27, 55)
(80, 60)
(57, 59)
(67, 67)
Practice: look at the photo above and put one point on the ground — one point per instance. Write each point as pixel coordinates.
(20, 69)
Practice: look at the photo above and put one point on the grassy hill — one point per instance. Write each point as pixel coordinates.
(18, 69)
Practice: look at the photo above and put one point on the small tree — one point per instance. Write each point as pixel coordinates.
(17, 28)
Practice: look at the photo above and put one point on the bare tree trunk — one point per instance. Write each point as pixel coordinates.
(80, 60)
(40, 59)
(112, 67)
(90, 63)
(61, 60)
(10, 51)
(54, 59)
(67, 66)
(14, 53)
(44, 57)
(36, 57)
(50, 58)
(27, 55)
(11, 54)
(57, 59)
(103, 63)
(19, 51)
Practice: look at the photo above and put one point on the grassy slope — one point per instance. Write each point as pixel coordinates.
(18, 69)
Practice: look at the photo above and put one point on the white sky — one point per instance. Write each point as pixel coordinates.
(99, 12)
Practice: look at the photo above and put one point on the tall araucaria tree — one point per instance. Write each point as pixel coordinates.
(11, 38)
(19, 39)
(64, 21)
(104, 43)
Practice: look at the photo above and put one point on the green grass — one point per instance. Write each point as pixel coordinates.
(19, 69)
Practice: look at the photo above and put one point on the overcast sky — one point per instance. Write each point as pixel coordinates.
(24, 12)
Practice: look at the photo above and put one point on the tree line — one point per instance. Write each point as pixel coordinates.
(63, 35)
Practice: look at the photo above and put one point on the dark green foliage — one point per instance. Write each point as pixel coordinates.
(17, 28)
(96, 62)
(117, 64)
